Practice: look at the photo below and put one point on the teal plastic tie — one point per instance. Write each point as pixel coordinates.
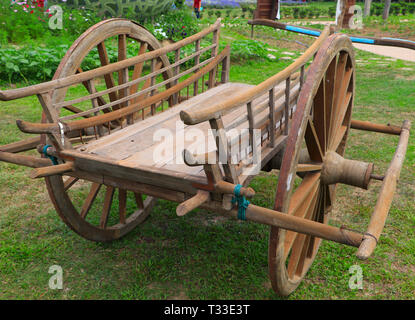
(52, 158)
(241, 201)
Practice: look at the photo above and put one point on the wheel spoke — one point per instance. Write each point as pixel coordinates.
(138, 70)
(139, 200)
(90, 199)
(122, 200)
(338, 138)
(109, 194)
(319, 116)
(309, 183)
(300, 212)
(122, 74)
(329, 92)
(313, 143)
(300, 243)
(319, 217)
(340, 119)
(344, 98)
(69, 183)
(338, 88)
(305, 167)
(109, 79)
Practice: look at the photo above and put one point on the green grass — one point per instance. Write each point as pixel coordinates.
(205, 256)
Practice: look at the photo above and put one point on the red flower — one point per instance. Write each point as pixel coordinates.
(31, 11)
(50, 15)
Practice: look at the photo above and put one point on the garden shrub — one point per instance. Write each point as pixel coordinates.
(332, 12)
(302, 13)
(296, 12)
(395, 9)
(174, 25)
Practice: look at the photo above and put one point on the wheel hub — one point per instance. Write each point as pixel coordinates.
(337, 169)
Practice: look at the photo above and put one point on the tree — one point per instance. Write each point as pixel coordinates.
(366, 11)
(386, 9)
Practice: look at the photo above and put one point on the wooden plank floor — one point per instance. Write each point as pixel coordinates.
(141, 143)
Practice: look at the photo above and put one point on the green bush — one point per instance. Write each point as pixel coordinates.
(296, 12)
(377, 9)
(218, 13)
(20, 24)
(411, 7)
(174, 25)
(395, 9)
(302, 13)
(248, 50)
(332, 12)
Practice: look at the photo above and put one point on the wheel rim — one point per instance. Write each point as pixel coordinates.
(78, 201)
(320, 124)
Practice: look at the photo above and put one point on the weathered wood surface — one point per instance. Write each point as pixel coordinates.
(136, 144)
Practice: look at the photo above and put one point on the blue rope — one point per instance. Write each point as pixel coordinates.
(52, 158)
(242, 202)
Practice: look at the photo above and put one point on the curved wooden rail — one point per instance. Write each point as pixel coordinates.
(30, 127)
(113, 67)
(197, 115)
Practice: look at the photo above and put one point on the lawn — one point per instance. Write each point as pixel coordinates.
(205, 256)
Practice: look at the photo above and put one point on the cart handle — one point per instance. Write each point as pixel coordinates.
(383, 204)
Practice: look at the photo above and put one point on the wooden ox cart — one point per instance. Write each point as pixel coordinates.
(98, 132)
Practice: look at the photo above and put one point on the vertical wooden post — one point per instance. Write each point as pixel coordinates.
(197, 61)
(251, 122)
(272, 117)
(153, 80)
(287, 104)
(176, 71)
(302, 74)
(226, 63)
(212, 73)
(223, 150)
(58, 139)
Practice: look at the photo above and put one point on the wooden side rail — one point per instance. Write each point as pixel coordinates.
(197, 115)
(383, 204)
(113, 67)
(39, 128)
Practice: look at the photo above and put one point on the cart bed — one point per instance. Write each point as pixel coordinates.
(135, 145)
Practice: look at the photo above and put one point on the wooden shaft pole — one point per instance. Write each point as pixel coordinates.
(24, 160)
(374, 127)
(282, 220)
(383, 204)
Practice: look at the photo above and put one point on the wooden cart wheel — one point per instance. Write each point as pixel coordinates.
(320, 124)
(96, 211)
